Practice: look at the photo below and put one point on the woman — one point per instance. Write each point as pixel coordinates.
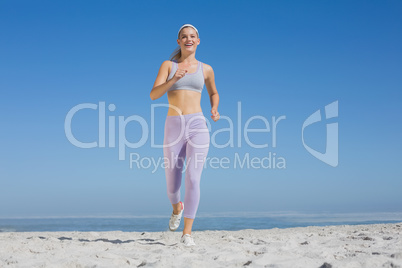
(186, 133)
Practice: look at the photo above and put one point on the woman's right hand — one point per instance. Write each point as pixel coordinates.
(180, 73)
(162, 85)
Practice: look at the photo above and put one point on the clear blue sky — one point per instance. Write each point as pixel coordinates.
(277, 58)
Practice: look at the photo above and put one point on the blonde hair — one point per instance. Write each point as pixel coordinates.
(176, 54)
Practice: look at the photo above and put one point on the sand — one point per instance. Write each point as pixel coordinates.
(375, 245)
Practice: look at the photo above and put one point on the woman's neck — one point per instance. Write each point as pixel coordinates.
(187, 58)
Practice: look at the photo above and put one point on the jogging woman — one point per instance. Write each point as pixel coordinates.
(186, 135)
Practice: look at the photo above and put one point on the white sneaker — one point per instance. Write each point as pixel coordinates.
(174, 221)
(187, 240)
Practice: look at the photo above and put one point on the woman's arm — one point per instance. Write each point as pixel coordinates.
(161, 86)
(212, 91)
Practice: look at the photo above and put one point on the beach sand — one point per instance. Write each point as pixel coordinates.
(374, 245)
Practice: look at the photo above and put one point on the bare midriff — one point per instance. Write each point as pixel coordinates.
(182, 101)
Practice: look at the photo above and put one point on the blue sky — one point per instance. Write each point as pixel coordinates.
(275, 58)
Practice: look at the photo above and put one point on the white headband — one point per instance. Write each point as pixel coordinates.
(187, 25)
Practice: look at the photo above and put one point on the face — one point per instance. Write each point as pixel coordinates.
(188, 39)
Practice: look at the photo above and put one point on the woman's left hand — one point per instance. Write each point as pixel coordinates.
(215, 115)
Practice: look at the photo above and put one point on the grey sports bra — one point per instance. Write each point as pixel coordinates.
(191, 81)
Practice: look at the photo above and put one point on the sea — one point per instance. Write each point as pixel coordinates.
(159, 223)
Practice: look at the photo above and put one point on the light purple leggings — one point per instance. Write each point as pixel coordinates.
(186, 136)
